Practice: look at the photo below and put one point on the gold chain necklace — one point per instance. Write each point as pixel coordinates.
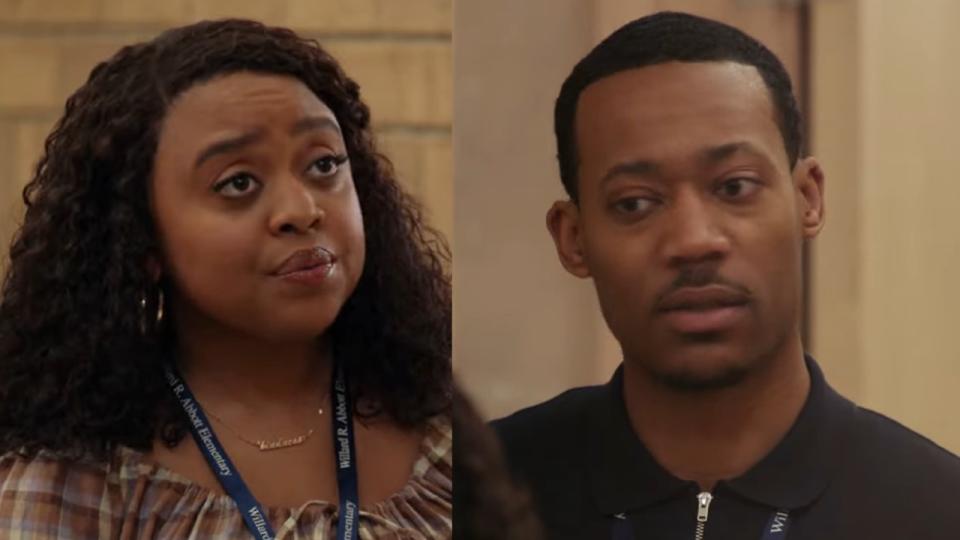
(266, 445)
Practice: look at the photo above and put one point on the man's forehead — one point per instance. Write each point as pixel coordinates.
(658, 85)
(676, 111)
(718, 100)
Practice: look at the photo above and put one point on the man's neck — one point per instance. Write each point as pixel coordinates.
(720, 434)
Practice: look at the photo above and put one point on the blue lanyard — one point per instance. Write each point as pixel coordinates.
(346, 458)
(228, 476)
(776, 528)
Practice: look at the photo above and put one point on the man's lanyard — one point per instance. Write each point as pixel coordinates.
(776, 528)
(228, 476)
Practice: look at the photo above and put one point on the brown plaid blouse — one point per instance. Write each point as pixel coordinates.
(43, 498)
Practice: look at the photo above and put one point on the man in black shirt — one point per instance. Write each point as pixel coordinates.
(680, 149)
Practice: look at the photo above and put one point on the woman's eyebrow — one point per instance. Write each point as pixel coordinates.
(311, 123)
(227, 145)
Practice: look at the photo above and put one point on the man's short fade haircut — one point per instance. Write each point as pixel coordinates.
(671, 37)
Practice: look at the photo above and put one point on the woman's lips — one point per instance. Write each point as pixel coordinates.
(311, 266)
(315, 275)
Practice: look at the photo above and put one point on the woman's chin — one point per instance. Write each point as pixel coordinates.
(295, 330)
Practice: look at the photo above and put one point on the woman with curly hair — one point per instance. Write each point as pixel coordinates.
(222, 316)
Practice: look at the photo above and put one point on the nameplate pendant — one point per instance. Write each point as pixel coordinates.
(280, 443)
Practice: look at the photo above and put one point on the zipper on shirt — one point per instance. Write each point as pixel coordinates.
(703, 513)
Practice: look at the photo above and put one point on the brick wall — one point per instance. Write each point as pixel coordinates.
(398, 51)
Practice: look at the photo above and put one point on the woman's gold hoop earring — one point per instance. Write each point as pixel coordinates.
(159, 306)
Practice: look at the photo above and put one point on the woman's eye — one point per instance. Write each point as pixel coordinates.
(738, 188)
(237, 185)
(327, 165)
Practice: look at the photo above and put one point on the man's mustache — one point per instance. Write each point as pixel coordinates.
(700, 276)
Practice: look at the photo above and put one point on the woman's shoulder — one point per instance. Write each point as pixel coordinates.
(123, 494)
(57, 495)
(434, 466)
(51, 494)
(437, 448)
(425, 504)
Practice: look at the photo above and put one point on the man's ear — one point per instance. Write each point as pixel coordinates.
(809, 178)
(563, 222)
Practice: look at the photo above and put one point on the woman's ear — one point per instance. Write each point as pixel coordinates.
(154, 270)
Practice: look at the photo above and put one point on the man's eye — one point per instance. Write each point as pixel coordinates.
(327, 165)
(237, 185)
(738, 188)
(633, 205)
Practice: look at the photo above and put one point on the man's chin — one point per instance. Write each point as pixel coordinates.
(700, 369)
(701, 380)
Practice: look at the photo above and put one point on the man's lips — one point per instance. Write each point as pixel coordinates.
(703, 309)
(702, 298)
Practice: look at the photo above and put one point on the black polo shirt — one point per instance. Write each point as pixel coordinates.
(841, 472)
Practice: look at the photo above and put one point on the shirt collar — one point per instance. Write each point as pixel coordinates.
(624, 476)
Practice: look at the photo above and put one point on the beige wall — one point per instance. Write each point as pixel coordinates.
(886, 266)
(517, 314)
(399, 52)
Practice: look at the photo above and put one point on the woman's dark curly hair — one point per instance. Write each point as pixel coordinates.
(78, 374)
(489, 504)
